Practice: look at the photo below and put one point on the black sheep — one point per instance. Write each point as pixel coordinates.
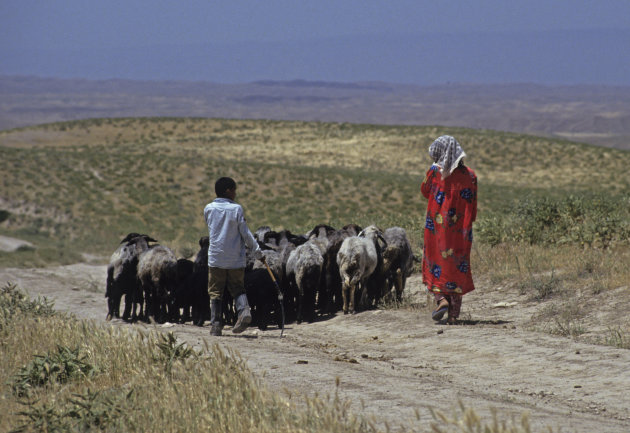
(183, 299)
(262, 295)
(201, 298)
(122, 276)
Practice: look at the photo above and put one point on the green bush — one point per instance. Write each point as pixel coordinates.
(4, 215)
(15, 304)
(594, 221)
(60, 367)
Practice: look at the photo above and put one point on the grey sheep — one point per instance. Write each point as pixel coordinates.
(358, 258)
(330, 298)
(157, 272)
(304, 269)
(397, 260)
(284, 242)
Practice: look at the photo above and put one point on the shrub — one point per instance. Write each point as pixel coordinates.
(4, 215)
(14, 303)
(594, 221)
(60, 367)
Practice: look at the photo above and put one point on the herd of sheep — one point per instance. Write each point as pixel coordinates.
(318, 273)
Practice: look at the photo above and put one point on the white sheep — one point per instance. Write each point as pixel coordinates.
(357, 259)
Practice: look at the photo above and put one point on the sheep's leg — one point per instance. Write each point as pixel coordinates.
(345, 288)
(310, 296)
(364, 299)
(116, 306)
(400, 284)
(129, 301)
(149, 304)
(263, 315)
(110, 308)
(333, 291)
(138, 301)
(186, 313)
(300, 305)
(353, 288)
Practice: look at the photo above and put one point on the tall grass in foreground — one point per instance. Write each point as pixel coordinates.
(64, 375)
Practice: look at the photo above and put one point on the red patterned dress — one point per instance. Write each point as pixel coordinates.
(448, 234)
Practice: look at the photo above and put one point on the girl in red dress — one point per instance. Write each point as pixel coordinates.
(451, 189)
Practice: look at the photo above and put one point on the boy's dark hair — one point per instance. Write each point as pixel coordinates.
(222, 185)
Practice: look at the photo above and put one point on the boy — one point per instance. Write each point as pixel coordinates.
(229, 235)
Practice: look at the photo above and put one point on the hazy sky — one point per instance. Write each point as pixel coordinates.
(345, 40)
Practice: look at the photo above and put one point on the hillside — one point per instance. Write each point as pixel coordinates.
(77, 186)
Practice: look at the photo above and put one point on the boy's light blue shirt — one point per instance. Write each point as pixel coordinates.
(229, 234)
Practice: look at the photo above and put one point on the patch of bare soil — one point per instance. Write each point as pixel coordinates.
(8, 244)
(392, 364)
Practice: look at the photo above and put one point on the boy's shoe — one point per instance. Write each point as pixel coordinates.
(244, 319)
(244, 314)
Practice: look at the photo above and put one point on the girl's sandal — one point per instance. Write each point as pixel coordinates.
(451, 321)
(440, 311)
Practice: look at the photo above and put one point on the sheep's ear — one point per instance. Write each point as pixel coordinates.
(149, 238)
(380, 236)
(361, 233)
(129, 237)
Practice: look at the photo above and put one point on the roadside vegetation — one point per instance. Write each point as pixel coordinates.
(553, 223)
(64, 375)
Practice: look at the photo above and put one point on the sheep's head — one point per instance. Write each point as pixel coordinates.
(374, 233)
(352, 229)
(321, 230)
(390, 254)
(133, 237)
(129, 237)
(260, 232)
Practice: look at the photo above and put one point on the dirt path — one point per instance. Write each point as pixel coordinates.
(394, 362)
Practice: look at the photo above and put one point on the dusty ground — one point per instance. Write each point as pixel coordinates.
(394, 362)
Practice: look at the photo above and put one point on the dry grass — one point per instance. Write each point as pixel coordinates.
(137, 381)
(141, 382)
(582, 292)
(466, 420)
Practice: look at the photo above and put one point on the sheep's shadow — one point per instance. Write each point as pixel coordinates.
(242, 336)
(474, 322)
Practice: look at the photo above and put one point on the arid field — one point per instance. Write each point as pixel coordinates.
(545, 335)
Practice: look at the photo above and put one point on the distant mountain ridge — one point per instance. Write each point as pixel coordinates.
(563, 56)
(589, 113)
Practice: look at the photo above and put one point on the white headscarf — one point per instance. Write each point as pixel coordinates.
(446, 153)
